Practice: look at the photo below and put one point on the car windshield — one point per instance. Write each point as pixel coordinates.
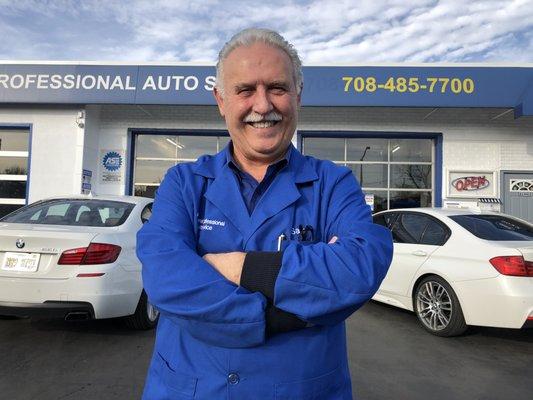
(73, 212)
(495, 227)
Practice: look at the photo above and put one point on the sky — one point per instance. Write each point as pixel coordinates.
(323, 31)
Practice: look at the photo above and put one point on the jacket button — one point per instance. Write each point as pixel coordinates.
(233, 379)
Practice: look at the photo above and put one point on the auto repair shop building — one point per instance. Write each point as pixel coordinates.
(427, 135)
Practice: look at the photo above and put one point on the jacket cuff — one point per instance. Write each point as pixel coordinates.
(260, 271)
(279, 321)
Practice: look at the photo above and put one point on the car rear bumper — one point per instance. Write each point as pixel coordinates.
(48, 309)
(114, 294)
(503, 301)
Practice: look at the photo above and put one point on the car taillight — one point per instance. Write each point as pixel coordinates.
(512, 265)
(96, 253)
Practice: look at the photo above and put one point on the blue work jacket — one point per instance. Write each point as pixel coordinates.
(211, 342)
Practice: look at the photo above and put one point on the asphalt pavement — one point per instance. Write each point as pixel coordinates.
(391, 357)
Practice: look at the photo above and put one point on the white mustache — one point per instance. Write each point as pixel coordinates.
(256, 117)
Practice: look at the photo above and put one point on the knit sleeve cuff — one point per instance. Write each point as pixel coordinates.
(260, 271)
(279, 321)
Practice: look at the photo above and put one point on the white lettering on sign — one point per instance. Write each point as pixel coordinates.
(171, 82)
(210, 82)
(104, 82)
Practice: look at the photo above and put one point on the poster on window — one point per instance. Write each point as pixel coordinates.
(111, 166)
(471, 184)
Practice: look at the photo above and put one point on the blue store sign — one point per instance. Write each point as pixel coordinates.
(422, 86)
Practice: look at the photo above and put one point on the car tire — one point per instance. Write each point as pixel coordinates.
(145, 316)
(437, 307)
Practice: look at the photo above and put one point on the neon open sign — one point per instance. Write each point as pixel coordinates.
(470, 183)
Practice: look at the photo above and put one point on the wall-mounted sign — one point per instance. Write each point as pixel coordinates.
(357, 85)
(86, 177)
(470, 184)
(369, 200)
(112, 166)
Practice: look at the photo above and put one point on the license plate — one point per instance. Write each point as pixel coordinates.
(23, 262)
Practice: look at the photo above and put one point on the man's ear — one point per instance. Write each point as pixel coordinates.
(220, 100)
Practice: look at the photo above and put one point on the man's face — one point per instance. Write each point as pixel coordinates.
(260, 104)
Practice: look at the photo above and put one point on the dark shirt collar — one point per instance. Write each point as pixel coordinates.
(278, 165)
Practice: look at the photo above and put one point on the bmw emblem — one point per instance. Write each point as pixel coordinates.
(20, 243)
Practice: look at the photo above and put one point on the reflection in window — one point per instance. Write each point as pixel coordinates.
(12, 189)
(383, 164)
(409, 199)
(325, 148)
(14, 140)
(151, 171)
(363, 149)
(155, 154)
(370, 175)
(411, 150)
(14, 145)
(435, 234)
(13, 165)
(411, 176)
(409, 228)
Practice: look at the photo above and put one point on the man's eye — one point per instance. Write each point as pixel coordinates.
(278, 90)
(244, 92)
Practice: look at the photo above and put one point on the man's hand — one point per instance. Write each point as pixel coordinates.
(228, 264)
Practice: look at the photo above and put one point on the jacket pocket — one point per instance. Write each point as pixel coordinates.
(317, 388)
(176, 382)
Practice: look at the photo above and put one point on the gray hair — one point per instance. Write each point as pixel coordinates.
(249, 36)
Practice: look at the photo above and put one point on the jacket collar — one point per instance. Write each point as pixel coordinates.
(213, 166)
(225, 194)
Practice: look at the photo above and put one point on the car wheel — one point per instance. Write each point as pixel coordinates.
(145, 317)
(437, 308)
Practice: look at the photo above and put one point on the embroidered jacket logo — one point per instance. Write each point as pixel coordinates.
(207, 224)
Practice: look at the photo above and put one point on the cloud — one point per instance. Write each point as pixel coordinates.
(323, 31)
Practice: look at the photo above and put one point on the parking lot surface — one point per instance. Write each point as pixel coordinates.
(391, 357)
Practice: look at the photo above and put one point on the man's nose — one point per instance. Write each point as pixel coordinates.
(262, 104)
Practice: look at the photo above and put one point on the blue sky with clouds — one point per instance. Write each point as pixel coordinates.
(324, 31)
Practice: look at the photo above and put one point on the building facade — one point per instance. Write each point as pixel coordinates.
(456, 136)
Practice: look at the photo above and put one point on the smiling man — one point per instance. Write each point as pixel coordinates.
(257, 255)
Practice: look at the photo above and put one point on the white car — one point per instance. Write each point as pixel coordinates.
(456, 268)
(74, 258)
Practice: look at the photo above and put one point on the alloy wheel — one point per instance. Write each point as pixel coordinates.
(434, 306)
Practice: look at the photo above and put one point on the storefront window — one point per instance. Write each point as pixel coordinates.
(397, 172)
(155, 154)
(14, 145)
(326, 148)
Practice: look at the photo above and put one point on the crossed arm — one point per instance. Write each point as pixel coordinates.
(219, 299)
(230, 265)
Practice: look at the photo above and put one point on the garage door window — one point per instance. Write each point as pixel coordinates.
(155, 154)
(397, 172)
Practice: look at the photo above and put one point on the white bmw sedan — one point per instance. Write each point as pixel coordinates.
(74, 258)
(456, 268)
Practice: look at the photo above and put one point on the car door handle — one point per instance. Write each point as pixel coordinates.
(420, 253)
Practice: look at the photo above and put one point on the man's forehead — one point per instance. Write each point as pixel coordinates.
(259, 62)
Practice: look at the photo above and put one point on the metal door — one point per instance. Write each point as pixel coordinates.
(518, 194)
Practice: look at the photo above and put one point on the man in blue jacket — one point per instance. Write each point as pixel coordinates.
(257, 255)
